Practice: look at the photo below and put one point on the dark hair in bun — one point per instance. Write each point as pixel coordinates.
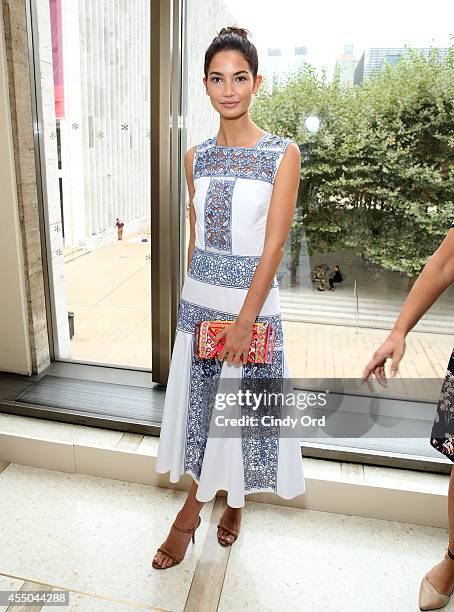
(234, 30)
(235, 39)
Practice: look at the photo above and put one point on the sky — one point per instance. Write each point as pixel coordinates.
(325, 26)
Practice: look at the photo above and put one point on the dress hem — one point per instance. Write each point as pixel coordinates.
(246, 491)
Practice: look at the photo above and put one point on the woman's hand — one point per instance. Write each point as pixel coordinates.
(393, 346)
(237, 342)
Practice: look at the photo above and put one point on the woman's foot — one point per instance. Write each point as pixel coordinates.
(176, 542)
(441, 576)
(231, 518)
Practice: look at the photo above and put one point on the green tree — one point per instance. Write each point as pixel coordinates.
(379, 175)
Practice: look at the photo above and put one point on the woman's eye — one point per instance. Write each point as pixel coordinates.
(216, 79)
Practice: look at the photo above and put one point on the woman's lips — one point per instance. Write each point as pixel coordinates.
(229, 104)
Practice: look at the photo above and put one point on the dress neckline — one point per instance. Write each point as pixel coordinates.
(235, 147)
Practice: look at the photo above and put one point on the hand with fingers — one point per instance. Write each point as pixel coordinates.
(393, 347)
(237, 341)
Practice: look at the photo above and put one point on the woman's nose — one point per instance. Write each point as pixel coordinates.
(227, 89)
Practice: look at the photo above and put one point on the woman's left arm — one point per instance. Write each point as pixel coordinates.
(278, 224)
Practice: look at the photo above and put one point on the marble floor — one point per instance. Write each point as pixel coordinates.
(96, 538)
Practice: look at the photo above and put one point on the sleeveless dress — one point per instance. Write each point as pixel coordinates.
(442, 434)
(233, 188)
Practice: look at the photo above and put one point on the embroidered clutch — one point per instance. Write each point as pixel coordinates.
(260, 351)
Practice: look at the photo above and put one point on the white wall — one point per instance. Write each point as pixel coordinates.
(14, 341)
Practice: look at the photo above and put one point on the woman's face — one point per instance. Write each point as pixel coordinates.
(230, 81)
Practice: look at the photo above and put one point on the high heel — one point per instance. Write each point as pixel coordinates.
(429, 597)
(175, 558)
(229, 530)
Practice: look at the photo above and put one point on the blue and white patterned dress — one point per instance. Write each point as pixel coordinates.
(233, 188)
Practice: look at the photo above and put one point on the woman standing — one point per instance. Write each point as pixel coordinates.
(242, 185)
(438, 274)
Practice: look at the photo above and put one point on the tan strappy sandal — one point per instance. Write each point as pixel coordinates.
(173, 556)
(429, 597)
(230, 531)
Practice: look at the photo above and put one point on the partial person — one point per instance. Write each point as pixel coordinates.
(437, 585)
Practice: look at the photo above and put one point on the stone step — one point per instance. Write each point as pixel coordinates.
(313, 307)
(441, 316)
(319, 298)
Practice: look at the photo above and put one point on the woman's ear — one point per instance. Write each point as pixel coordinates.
(257, 82)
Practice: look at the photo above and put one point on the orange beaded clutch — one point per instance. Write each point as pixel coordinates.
(260, 351)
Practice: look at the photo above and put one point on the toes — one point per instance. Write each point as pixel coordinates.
(224, 536)
(157, 559)
(162, 560)
(221, 534)
(165, 561)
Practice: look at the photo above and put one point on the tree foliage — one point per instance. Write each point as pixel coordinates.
(379, 175)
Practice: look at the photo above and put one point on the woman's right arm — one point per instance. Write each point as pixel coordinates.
(436, 276)
(188, 164)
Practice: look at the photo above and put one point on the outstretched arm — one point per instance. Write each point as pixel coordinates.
(436, 276)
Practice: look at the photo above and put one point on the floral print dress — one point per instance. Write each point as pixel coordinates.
(442, 436)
